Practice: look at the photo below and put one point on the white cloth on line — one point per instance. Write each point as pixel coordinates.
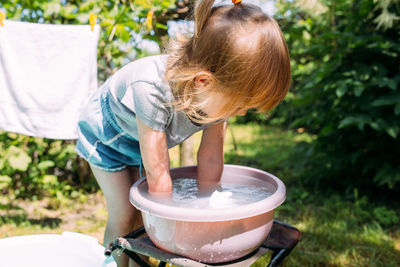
(47, 73)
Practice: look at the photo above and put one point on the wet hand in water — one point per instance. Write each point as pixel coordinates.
(161, 191)
(161, 197)
(206, 188)
(160, 186)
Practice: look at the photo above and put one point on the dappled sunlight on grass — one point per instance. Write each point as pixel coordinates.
(266, 148)
(10, 230)
(397, 244)
(334, 234)
(84, 215)
(342, 259)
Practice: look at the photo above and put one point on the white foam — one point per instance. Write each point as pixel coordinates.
(219, 200)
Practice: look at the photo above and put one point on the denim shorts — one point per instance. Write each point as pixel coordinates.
(100, 139)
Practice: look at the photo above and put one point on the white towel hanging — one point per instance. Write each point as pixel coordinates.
(47, 73)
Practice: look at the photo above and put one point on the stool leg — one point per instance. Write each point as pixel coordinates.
(278, 257)
(133, 256)
(136, 233)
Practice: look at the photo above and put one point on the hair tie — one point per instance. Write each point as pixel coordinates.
(236, 2)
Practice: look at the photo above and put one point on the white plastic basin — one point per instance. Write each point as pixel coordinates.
(211, 235)
(48, 250)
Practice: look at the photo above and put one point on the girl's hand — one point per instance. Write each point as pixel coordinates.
(159, 186)
(210, 156)
(154, 151)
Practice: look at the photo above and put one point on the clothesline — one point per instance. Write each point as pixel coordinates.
(92, 19)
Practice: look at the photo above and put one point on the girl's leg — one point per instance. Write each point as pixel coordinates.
(123, 218)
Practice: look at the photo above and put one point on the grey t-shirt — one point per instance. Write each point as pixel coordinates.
(139, 89)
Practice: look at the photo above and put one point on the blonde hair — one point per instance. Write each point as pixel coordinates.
(241, 50)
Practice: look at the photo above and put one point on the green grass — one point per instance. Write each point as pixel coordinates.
(84, 214)
(335, 230)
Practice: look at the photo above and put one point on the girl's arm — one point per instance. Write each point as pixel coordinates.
(154, 151)
(210, 157)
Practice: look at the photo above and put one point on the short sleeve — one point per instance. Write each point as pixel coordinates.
(149, 104)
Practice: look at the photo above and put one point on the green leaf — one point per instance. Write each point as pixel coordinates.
(168, 4)
(122, 33)
(83, 18)
(51, 8)
(55, 147)
(391, 83)
(397, 109)
(5, 181)
(44, 165)
(50, 179)
(18, 158)
(393, 132)
(387, 175)
(12, 135)
(358, 91)
(375, 126)
(161, 26)
(385, 216)
(341, 91)
(392, 99)
(146, 4)
(40, 143)
(359, 120)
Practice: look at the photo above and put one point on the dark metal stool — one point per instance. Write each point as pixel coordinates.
(281, 240)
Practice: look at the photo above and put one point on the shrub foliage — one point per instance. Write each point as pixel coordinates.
(346, 74)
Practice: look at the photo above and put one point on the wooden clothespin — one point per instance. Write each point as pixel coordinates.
(149, 20)
(2, 18)
(92, 20)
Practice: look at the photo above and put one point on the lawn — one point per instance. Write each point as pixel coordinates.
(336, 230)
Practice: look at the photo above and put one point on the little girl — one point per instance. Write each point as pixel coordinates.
(237, 59)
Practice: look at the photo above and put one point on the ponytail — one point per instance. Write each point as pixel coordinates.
(202, 12)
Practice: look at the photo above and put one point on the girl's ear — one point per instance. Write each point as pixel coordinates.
(203, 81)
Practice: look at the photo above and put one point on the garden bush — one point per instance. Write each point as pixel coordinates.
(33, 167)
(345, 91)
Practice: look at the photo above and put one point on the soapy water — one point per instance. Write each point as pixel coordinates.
(222, 195)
